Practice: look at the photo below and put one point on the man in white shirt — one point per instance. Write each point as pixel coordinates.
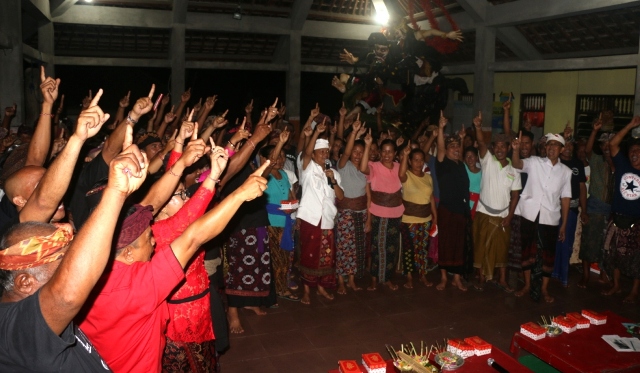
(544, 201)
(498, 199)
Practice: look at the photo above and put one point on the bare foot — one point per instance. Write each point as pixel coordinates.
(257, 310)
(547, 298)
(631, 299)
(235, 327)
(324, 293)
(338, 84)
(613, 290)
(442, 284)
(373, 286)
(408, 285)
(305, 299)
(391, 286)
(459, 285)
(353, 286)
(504, 286)
(426, 282)
(342, 290)
(583, 283)
(521, 292)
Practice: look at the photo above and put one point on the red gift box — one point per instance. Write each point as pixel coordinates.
(349, 366)
(581, 321)
(374, 363)
(594, 317)
(480, 346)
(567, 324)
(460, 347)
(533, 331)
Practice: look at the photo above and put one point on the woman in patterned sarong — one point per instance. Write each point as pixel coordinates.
(386, 210)
(352, 213)
(419, 214)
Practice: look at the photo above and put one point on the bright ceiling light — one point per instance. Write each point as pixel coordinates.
(382, 14)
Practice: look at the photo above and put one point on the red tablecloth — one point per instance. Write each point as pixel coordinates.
(583, 350)
(475, 364)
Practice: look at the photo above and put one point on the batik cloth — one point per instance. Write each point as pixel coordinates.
(415, 247)
(279, 259)
(189, 357)
(350, 242)
(249, 261)
(622, 250)
(317, 256)
(385, 243)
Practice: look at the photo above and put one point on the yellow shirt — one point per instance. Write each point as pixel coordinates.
(417, 190)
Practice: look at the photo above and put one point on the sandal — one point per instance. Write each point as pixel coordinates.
(291, 297)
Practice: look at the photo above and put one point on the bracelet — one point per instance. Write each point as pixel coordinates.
(171, 172)
(252, 144)
(178, 142)
(216, 181)
(46, 115)
(131, 119)
(232, 144)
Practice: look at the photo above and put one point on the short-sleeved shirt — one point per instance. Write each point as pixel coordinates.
(454, 185)
(497, 184)
(354, 182)
(277, 191)
(129, 315)
(92, 173)
(577, 176)
(27, 344)
(626, 194)
(385, 180)
(546, 185)
(417, 190)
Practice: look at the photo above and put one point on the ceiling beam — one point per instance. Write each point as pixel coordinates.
(527, 11)
(38, 9)
(299, 13)
(604, 62)
(59, 7)
(219, 65)
(519, 45)
(593, 53)
(112, 16)
(102, 61)
(34, 54)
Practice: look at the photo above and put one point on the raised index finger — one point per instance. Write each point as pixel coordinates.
(275, 103)
(190, 115)
(261, 169)
(43, 77)
(96, 98)
(194, 136)
(153, 89)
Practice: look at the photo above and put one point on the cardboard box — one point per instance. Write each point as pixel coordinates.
(581, 321)
(374, 363)
(594, 317)
(480, 346)
(533, 331)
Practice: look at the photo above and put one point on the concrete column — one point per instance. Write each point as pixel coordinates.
(46, 45)
(11, 69)
(177, 49)
(294, 75)
(483, 77)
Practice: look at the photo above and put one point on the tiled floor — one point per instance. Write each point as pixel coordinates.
(298, 338)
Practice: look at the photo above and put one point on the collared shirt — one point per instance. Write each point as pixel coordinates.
(546, 184)
(496, 186)
(318, 198)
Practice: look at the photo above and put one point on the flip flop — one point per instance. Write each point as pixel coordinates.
(290, 297)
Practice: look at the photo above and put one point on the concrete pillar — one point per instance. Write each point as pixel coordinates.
(46, 45)
(177, 50)
(294, 75)
(11, 68)
(483, 78)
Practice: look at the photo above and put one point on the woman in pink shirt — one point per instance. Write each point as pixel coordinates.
(386, 210)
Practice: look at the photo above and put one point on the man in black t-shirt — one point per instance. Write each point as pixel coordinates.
(47, 278)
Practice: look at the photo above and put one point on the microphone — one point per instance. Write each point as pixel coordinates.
(492, 363)
(327, 165)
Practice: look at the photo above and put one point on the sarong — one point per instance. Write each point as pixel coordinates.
(279, 259)
(454, 236)
(249, 261)
(385, 242)
(622, 250)
(490, 243)
(535, 237)
(564, 249)
(592, 240)
(317, 256)
(415, 247)
(189, 357)
(350, 243)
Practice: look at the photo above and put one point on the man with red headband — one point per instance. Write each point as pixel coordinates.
(47, 277)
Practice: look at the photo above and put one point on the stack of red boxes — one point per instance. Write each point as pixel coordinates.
(594, 317)
(480, 347)
(581, 321)
(374, 363)
(460, 347)
(349, 366)
(567, 324)
(533, 331)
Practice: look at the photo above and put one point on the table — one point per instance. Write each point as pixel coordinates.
(583, 350)
(474, 364)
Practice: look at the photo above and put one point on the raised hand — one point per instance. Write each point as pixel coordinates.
(219, 158)
(379, 109)
(635, 122)
(443, 121)
(249, 108)
(170, 116)
(166, 99)
(195, 150)
(124, 102)
(255, 184)
(368, 139)
(515, 143)
(144, 104)
(454, 35)
(171, 143)
(272, 111)
(568, 131)
(282, 111)
(333, 129)
(284, 136)
(348, 57)
(61, 106)
(210, 102)
(321, 127)
(261, 132)
(506, 106)
(87, 100)
(198, 106)
(361, 131)
(241, 134)
(91, 120)
(343, 110)
(356, 126)
(307, 130)
(58, 144)
(186, 96)
(477, 121)
(187, 128)
(128, 170)
(315, 111)
(10, 111)
(48, 87)
(399, 141)
(221, 120)
(406, 150)
(597, 125)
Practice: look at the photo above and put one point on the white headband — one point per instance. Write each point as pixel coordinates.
(321, 144)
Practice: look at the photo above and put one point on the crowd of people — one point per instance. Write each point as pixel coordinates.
(131, 246)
